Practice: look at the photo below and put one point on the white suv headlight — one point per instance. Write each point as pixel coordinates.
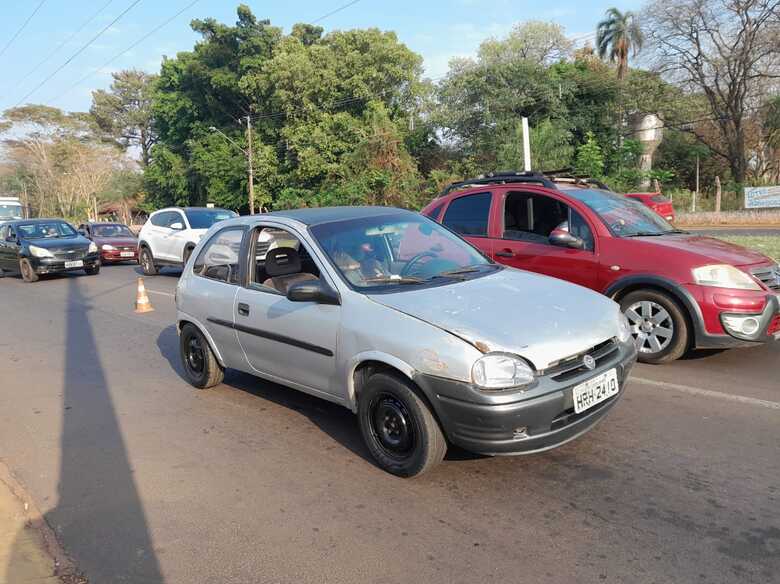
(107, 247)
(624, 328)
(500, 370)
(40, 252)
(93, 247)
(724, 276)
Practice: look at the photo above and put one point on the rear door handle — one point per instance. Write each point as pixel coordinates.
(505, 254)
(243, 309)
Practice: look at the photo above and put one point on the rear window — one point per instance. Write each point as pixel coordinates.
(469, 215)
(659, 199)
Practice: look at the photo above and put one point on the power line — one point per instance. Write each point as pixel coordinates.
(65, 42)
(335, 11)
(21, 28)
(129, 48)
(81, 50)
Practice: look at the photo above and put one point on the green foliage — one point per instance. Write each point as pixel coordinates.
(590, 158)
(618, 35)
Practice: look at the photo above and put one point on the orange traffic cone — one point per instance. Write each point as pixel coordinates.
(142, 303)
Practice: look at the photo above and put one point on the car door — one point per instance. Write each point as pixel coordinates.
(155, 232)
(8, 249)
(469, 217)
(523, 240)
(291, 342)
(176, 238)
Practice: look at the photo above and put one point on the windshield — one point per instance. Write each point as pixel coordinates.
(392, 250)
(625, 217)
(205, 218)
(10, 211)
(45, 230)
(111, 230)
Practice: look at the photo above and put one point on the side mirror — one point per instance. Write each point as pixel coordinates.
(10, 239)
(563, 238)
(313, 291)
(178, 226)
(84, 233)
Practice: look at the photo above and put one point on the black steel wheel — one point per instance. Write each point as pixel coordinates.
(200, 364)
(398, 427)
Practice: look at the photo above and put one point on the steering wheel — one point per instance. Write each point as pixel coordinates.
(407, 270)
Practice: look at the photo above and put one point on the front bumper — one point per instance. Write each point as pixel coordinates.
(116, 255)
(521, 422)
(717, 316)
(57, 266)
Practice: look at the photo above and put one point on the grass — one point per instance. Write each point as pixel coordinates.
(763, 217)
(768, 245)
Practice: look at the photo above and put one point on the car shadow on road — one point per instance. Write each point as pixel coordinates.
(99, 518)
(164, 272)
(332, 419)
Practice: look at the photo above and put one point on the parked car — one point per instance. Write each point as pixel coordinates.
(10, 209)
(169, 235)
(115, 241)
(655, 201)
(678, 290)
(33, 247)
(387, 313)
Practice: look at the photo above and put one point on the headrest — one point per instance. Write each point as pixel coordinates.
(282, 261)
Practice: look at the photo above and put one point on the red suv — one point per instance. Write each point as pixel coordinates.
(657, 202)
(678, 290)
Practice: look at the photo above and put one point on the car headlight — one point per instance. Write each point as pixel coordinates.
(105, 247)
(93, 247)
(724, 276)
(624, 328)
(40, 252)
(500, 370)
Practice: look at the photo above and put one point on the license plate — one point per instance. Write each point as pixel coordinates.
(594, 391)
(74, 264)
(126, 254)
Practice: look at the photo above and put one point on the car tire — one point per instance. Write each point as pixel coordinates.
(27, 271)
(201, 367)
(93, 271)
(146, 259)
(398, 427)
(658, 324)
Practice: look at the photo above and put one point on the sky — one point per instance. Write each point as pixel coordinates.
(58, 30)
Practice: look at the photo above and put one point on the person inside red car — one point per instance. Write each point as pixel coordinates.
(678, 290)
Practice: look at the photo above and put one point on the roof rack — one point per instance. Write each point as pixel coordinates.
(569, 175)
(503, 177)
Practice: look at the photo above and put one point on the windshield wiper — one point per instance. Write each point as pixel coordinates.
(394, 280)
(654, 233)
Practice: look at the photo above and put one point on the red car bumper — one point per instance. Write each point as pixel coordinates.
(110, 256)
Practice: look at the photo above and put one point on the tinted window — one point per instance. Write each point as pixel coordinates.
(111, 230)
(205, 218)
(159, 219)
(469, 215)
(219, 260)
(580, 228)
(45, 230)
(434, 212)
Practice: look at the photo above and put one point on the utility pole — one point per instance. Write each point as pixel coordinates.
(251, 166)
(526, 146)
(696, 194)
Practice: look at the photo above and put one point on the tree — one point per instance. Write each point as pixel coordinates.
(727, 51)
(617, 36)
(590, 158)
(124, 112)
(542, 43)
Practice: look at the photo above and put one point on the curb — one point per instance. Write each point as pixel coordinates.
(64, 567)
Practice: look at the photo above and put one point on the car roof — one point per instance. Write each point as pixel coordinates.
(315, 216)
(39, 220)
(189, 209)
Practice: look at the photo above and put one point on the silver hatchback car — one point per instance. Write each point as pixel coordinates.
(406, 324)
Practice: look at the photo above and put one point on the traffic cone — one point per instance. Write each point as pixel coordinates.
(142, 303)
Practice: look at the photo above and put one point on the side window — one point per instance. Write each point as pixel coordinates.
(219, 259)
(580, 228)
(469, 215)
(531, 217)
(175, 217)
(159, 220)
(435, 212)
(280, 260)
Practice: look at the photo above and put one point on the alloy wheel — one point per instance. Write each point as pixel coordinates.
(651, 326)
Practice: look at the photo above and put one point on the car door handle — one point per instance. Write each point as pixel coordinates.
(243, 309)
(505, 253)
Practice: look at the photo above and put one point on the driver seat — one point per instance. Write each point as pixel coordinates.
(283, 267)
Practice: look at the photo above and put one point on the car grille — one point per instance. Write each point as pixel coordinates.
(573, 366)
(125, 247)
(69, 255)
(769, 276)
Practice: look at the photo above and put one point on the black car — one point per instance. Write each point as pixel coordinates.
(32, 247)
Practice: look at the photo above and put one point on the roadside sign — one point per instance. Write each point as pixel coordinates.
(762, 197)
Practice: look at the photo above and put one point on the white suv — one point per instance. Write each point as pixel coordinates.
(169, 235)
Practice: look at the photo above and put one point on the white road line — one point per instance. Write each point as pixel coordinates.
(708, 393)
(160, 293)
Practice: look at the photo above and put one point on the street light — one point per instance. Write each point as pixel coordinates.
(248, 154)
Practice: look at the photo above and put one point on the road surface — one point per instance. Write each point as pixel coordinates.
(145, 479)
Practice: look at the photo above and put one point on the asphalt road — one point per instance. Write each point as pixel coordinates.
(147, 480)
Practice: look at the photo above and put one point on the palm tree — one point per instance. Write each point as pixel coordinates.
(616, 36)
